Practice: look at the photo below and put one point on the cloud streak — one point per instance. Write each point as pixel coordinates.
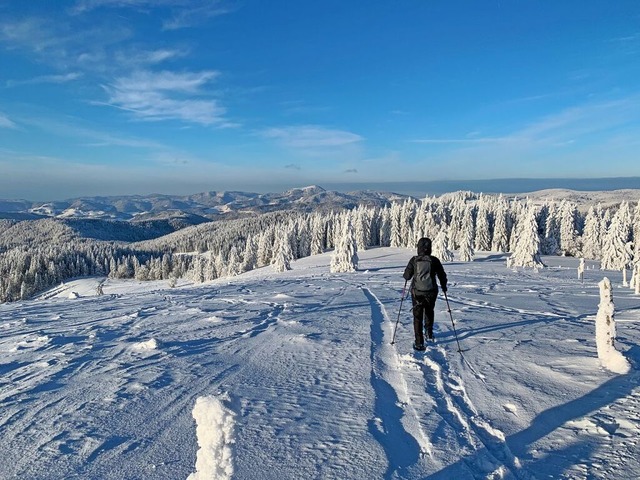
(5, 122)
(167, 95)
(561, 128)
(311, 136)
(56, 79)
(181, 13)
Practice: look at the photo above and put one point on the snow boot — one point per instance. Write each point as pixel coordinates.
(419, 347)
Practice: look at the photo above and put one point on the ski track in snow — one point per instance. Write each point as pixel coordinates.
(461, 427)
(393, 404)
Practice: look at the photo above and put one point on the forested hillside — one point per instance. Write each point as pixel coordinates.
(35, 255)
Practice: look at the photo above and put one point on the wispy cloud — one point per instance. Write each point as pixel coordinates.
(351, 170)
(196, 13)
(594, 135)
(141, 58)
(167, 96)
(61, 44)
(63, 78)
(292, 166)
(89, 136)
(311, 136)
(5, 122)
(559, 128)
(181, 13)
(463, 140)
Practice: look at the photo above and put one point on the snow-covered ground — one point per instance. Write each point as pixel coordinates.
(293, 376)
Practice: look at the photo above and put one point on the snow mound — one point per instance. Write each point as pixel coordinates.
(282, 295)
(151, 344)
(214, 430)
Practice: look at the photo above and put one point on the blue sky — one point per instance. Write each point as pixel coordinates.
(181, 96)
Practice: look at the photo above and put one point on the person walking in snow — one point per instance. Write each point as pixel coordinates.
(422, 270)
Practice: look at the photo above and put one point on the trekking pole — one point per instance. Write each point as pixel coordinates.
(393, 340)
(452, 323)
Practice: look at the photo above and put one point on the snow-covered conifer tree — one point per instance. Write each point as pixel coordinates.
(466, 252)
(456, 226)
(210, 272)
(500, 242)
(549, 229)
(234, 263)
(568, 229)
(430, 229)
(385, 227)
(265, 247)
(345, 255)
(527, 249)
(284, 255)
(317, 234)
(362, 220)
(483, 233)
(419, 223)
(407, 214)
(592, 235)
(636, 232)
(396, 225)
(440, 247)
(304, 238)
(249, 257)
(615, 252)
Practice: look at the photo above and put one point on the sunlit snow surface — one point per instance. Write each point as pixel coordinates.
(297, 378)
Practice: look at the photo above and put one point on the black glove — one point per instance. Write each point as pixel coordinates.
(444, 289)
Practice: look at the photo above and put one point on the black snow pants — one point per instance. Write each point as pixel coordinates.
(423, 315)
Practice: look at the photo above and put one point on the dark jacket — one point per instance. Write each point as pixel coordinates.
(424, 250)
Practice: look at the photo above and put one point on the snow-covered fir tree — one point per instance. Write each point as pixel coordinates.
(362, 219)
(500, 241)
(304, 238)
(569, 229)
(615, 251)
(419, 223)
(407, 214)
(636, 231)
(440, 247)
(385, 227)
(249, 257)
(483, 231)
(265, 247)
(284, 255)
(318, 229)
(550, 241)
(345, 255)
(527, 249)
(396, 225)
(465, 251)
(592, 235)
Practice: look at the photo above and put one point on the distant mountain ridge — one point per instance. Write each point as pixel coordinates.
(193, 209)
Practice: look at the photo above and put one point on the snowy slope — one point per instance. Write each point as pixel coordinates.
(295, 378)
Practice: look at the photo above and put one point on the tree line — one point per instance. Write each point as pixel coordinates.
(36, 255)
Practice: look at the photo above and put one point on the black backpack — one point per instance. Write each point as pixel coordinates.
(422, 279)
